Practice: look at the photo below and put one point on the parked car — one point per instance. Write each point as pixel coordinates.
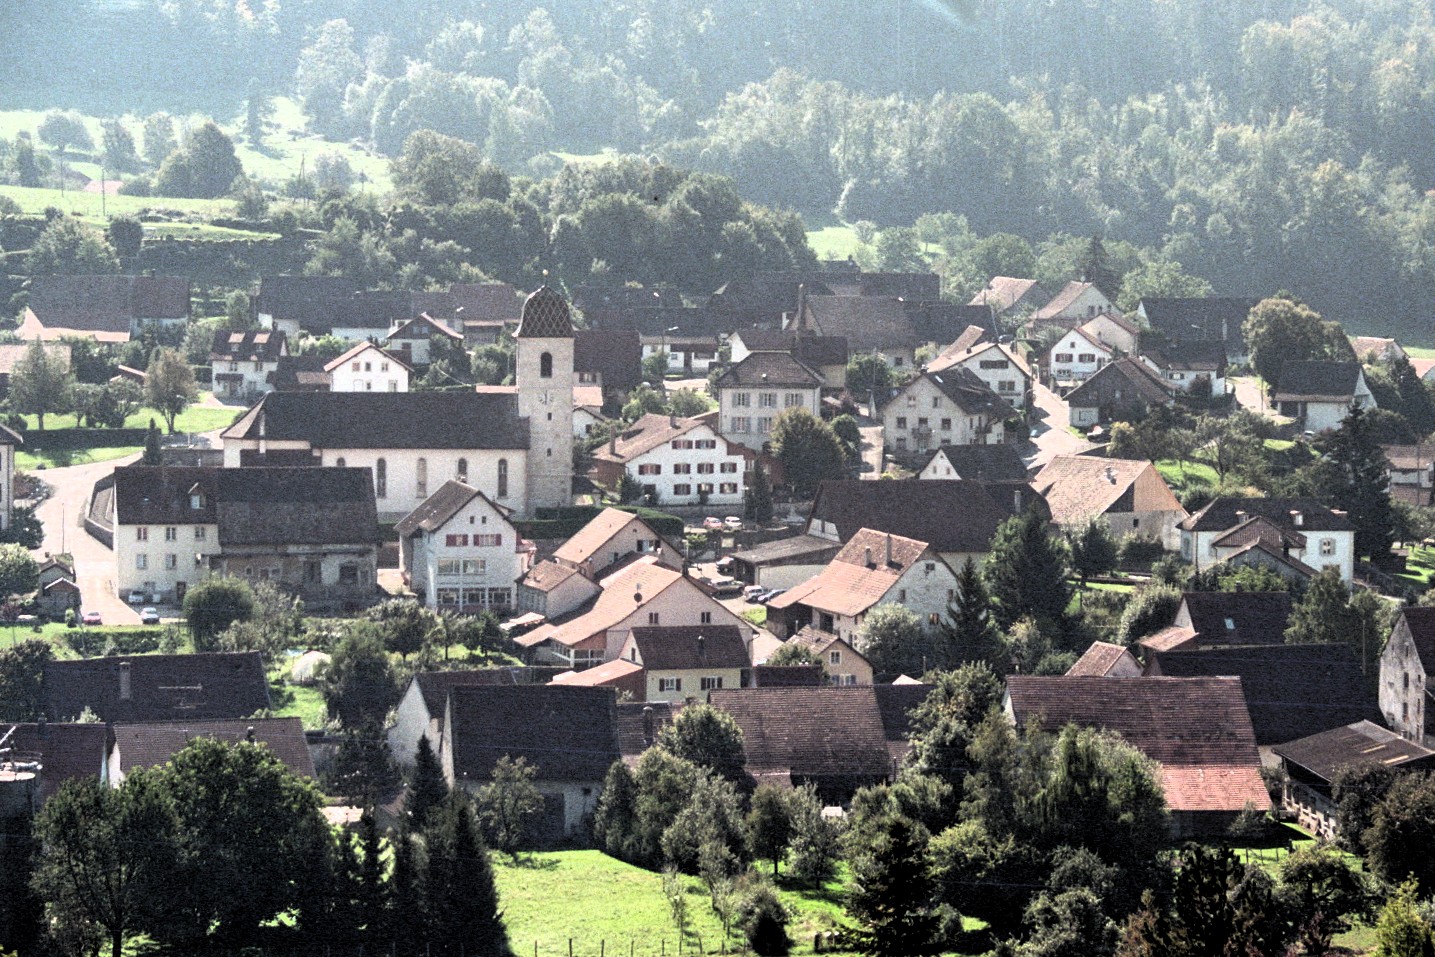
(769, 596)
(732, 522)
(712, 523)
(727, 587)
(753, 592)
(149, 616)
(90, 618)
(137, 597)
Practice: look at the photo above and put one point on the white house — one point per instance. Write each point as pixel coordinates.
(610, 537)
(8, 440)
(1182, 366)
(684, 663)
(754, 392)
(411, 339)
(952, 407)
(1320, 394)
(422, 709)
(1298, 530)
(995, 364)
(873, 568)
(458, 551)
(1077, 356)
(977, 463)
(1076, 301)
(367, 368)
(677, 461)
(243, 363)
(693, 355)
(1114, 331)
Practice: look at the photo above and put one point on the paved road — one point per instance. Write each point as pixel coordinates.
(1050, 423)
(62, 514)
(1250, 395)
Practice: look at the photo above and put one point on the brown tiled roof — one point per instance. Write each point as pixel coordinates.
(613, 604)
(253, 345)
(787, 676)
(147, 744)
(1198, 729)
(1275, 555)
(1068, 294)
(1421, 622)
(970, 336)
(869, 323)
(688, 647)
(597, 533)
(12, 353)
(859, 577)
(1263, 530)
(633, 739)
(1146, 384)
(358, 349)
(1407, 458)
(66, 752)
(547, 575)
(619, 674)
(1291, 690)
(953, 516)
(1328, 753)
(1003, 292)
(441, 506)
(387, 420)
(424, 327)
(815, 638)
(1220, 514)
(566, 734)
(775, 369)
(1256, 617)
(1170, 638)
(162, 687)
(1081, 487)
(1363, 346)
(434, 686)
(648, 433)
(1099, 660)
(809, 732)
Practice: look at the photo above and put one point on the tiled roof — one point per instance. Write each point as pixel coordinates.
(547, 575)
(1081, 487)
(1317, 379)
(970, 336)
(798, 546)
(1099, 660)
(1275, 555)
(1068, 294)
(597, 533)
(633, 737)
(620, 673)
(809, 732)
(1408, 458)
(969, 393)
(253, 345)
(12, 353)
(815, 638)
(775, 369)
(1263, 530)
(147, 744)
(1220, 514)
(985, 463)
(441, 506)
(1328, 753)
(1291, 690)
(615, 354)
(424, 327)
(1134, 372)
(1421, 622)
(953, 356)
(953, 516)
(1363, 346)
(688, 647)
(1198, 729)
(1170, 638)
(648, 433)
(486, 301)
(869, 323)
(545, 316)
(1196, 355)
(787, 676)
(301, 373)
(1190, 318)
(106, 303)
(434, 686)
(859, 577)
(1256, 617)
(1003, 292)
(565, 734)
(66, 752)
(611, 606)
(814, 351)
(162, 687)
(387, 420)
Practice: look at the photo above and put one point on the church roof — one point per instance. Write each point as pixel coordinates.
(545, 316)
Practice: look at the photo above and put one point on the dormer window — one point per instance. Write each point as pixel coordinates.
(1230, 624)
(196, 498)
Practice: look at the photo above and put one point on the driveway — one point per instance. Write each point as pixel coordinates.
(1050, 422)
(1250, 395)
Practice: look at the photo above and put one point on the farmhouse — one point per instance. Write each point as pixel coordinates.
(459, 552)
(107, 309)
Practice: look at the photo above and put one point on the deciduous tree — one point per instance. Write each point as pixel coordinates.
(169, 385)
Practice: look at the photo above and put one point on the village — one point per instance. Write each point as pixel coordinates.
(795, 535)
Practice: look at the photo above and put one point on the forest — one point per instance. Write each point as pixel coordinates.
(1256, 144)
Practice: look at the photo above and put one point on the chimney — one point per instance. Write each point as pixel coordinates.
(648, 725)
(1241, 515)
(124, 681)
(672, 421)
(867, 557)
(889, 549)
(1016, 500)
(1111, 475)
(1297, 517)
(249, 734)
(801, 305)
(613, 443)
(702, 650)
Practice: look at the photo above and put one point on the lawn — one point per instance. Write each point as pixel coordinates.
(1419, 352)
(60, 458)
(756, 616)
(1187, 473)
(1419, 566)
(297, 701)
(833, 242)
(605, 906)
(196, 418)
(92, 208)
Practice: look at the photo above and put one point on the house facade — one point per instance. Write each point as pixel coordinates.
(1320, 394)
(996, 365)
(412, 339)
(367, 368)
(1404, 673)
(244, 363)
(677, 461)
(1076, 302)
(1299, 529)
(687, 663)
(1114, 331)
(1129, 495)
(1077, 356)
(1125, 389)
(459, 552)
(952, 407)
(755, 391)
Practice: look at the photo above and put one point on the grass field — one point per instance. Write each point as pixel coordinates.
(1187, 473)
(833, 242)
(196, 418)
(61, 458)
(87, 206)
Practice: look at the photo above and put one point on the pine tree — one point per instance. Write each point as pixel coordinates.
(371, 876)
(405, 915)
(1360, 484)
(462, 898)
(1026, 572)
(969, 632)
(614, 820)
(428, 789)
(892, 892)
(1401, 930)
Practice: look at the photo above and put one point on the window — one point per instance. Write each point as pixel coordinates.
(710, 682)
(141, 534)
(652, 618)
(764, 425)
(824, 621)
(1086, 357)
(911, 399)
(141, 561)
(922, 422)
(682, 444)
(368, 367)
(767, 400)
(339, 462)
(705, 618)
(349, 574)
(503, 478)
(705, 488)
(902, 594)
(356, 366)
(651, 468)
(936, 402)
(488, 541)
(834, 657)
(196, 500)
(449, 566)
(1327, 546)
(171, 561)
(462, 471)
(421, 478)
(706, 468)
(545, 366)
(1062, 357)
(729, 488)
(1006, 385)
(313, 573)
(383, 367)
(475, 566)
(455, 541)
(381, 479)
(683, 488)
(742, 399)
(901, 421)
(728, 468)
(793, 400)
(705, 444)
(992, 364)
(946, 425)
(740, 423)
(199, 533)
(234, 367)
(670, 684)
(683, 468)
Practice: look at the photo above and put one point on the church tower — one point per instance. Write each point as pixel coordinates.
(544, 375)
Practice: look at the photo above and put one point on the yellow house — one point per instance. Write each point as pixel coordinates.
(686, 662)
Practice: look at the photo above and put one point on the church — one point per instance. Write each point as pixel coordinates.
(513, 443)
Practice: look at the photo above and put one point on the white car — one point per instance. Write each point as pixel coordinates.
(137, 597)
(732, 522)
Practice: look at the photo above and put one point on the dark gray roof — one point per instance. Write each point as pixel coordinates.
(1181, 319)
(1318, 378)
(435, 685)
(439, 507)
(1143, 382)
(985, 463)
(388, 420)
(147, 744)
(566, 733)
(688, 647)
(162, 687)
(1327, 753)
(252, 345)
(1256, 617)
(1220, 514)
(1197, 355)
(66, 752)
(951, 516)
(967, 392)
(545, 316)
(813, 350)
(615, 354)
(301, 373)
(107, 303)
(775, 369)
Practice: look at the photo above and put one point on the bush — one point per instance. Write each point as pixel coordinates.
(763, 920)
(1140, 551)
(93, 642)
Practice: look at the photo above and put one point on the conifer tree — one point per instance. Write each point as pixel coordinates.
(152, 454)
(757, 500)
(892, 892)
(1026, 572)
(1360, 484)
(428, 789)
(969, 632)
(462, 899)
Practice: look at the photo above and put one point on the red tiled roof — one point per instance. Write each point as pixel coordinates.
(1099, 660)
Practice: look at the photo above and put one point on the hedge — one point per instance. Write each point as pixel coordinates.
(92, 642)
(51, 440)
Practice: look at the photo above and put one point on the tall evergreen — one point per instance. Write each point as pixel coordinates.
(462, 898)
(428, 789)
(969, 633)
(892, 892)
(405, 916)
(757, 500)
(151, 454)
(1360, 484)
(1026, 572)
